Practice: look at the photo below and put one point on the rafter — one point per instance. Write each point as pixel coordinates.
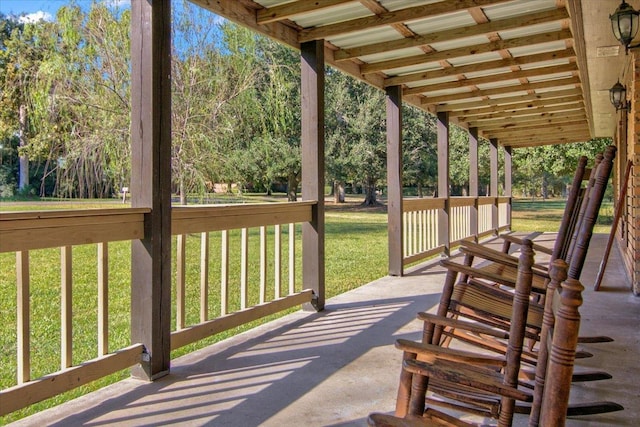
(513, 75)
(287, 10)
(483, 66)
(538, 142)
(517, 106)
(453, 34)
(524, 112)
(389, 18)
(494, 46)
(551, 127)
(540, 120)
(514, 99)
(501, 90)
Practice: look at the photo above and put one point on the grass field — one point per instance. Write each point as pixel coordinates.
(355, 249)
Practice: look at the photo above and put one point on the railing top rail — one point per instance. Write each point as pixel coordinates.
(461, 201)
(416, 204)
(182, 212)
(228, 217)
(68, 213)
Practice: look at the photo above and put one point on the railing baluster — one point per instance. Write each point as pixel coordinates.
(24, 331)
(204, 276)
(66, 333)
(103, 298)
(244, 266)
(407, 242)
(224, 273)
(277, 253)
(414, 214)
(263, 264)
(180, 280)
(292, 258)
(405, 233)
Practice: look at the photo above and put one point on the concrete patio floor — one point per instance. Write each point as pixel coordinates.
(335, 367)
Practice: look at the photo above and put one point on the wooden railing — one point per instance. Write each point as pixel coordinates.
(243, 218)
(470, 218)
(25, 232)
(420, 228)
(32, 231)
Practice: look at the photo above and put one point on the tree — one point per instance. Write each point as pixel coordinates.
(20, 56)
(420, 156)
(547, 170)
(209, 72)
(359, 133)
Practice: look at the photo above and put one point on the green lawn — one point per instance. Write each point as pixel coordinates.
(545, 215)
(356, 253)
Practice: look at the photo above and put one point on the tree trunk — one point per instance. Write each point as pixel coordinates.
(23, 179)
(420, 190)
(370, 198)
(183, 194)
(338, 191)
(292, 187)
(545, 188)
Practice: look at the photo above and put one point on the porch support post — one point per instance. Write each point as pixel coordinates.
(313, 271)
(508, 191)
(151, 183)
(473, 180)
(394, 179)
(493, 182)
(443, 180)
(622, 159)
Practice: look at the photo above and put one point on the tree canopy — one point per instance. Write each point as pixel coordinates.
(65, 115)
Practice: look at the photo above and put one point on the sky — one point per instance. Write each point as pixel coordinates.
(45, 9)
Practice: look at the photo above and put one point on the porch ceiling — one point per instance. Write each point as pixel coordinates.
(527, 72)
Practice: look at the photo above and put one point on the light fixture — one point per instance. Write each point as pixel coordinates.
(624, 23)
(618, 96)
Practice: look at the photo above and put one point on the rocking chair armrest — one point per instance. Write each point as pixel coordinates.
(489, 254)
(478, 273)
(430, 352)
(481, 251)
(467, 375)
(462, 324)
(536, 247)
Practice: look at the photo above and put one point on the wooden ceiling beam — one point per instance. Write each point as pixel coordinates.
(483, 66)
(571, 136)
(524, 112)
(500, 91)
(285, 11)
(540, 140)
(508, 75)
(453, 34)
(515, 99)
(470, 112)
(529, 144)
(567, 126)
(392, 17)
(539, 120)
(494, 46)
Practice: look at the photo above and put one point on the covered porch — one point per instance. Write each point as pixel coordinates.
(514, 73)
(334, 367)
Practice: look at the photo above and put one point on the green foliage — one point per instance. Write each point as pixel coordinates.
(419, 150)
(545, 171)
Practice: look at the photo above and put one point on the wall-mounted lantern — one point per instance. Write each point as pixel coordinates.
(618, 96)
(624, 23)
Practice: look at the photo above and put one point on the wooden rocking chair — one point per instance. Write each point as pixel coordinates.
(491, 306)
(550, 397)
(480, 403)
(469, 297)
